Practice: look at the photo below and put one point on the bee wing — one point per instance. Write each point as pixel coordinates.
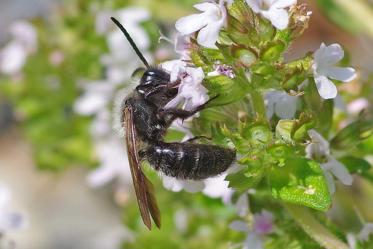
(143, 187)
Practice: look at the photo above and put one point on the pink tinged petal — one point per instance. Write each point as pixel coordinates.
(326, 87)
(174, 102)
(281, 4)
(254, 5)
(190, 24)
(358, 105)
(263, 223)
(278, 17)
(344, 74)
(239, 225)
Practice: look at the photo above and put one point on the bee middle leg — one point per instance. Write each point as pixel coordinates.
(175, 113)
(191, 140)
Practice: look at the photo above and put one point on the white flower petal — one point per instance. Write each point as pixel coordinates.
(325, 87)
(204, 6)
(253, 241)
(339, 171)
(216, 187)
(11, 221)
(12, 58)
(24, 33)
(278, 17)
(89, 104)
(281, 4)
(242, 205)
(4, 195)
(366, 232)
(331, 54)
(193, 186)
(329, 181)
(254, 5)
(209, 35)
(286, 106)
(190, 24)
(133, 15)
(176, 185)
(319, 146)
(100, 176)
(239, 225)
(344, 74)
(357, 105)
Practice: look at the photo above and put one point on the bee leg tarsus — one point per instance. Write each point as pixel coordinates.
(197, 138)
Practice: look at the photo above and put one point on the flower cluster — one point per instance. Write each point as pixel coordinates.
(23, 43)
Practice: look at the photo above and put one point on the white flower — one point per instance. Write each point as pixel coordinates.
(24, 33)
(281, 104)
(113, 164)
(95, 98)
(12, 58)
(208, 23)
(263, 225)
(273, 10)
(214, 187)
(222, 70)
(191, 91)
(24, 42)
(357, 105)
(324, 69)
(9, 220)
(217, 187)
(176, 185)
(122, 60)
(319, 148)
(366, 232)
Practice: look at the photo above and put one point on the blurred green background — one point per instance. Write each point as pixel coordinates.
(56, 118)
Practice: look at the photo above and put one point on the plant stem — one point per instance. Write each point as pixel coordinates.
(258, 105)
(314, 229)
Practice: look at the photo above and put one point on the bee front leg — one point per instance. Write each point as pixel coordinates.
(175, 113)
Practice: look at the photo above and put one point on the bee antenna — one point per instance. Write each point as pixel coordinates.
(127, 35)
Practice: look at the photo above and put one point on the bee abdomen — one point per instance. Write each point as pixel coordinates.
(190, 161)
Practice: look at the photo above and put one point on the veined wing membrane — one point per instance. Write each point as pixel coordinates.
(143, 187)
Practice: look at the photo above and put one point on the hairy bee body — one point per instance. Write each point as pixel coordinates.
(188, 160)
(146, 120)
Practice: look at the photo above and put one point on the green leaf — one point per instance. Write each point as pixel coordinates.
(228, 90)
(247, 178)
(300, 181)
(352, 134)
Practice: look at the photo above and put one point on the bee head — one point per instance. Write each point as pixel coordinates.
(154, 77)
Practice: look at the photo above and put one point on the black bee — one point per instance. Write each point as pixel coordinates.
(146, 121)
